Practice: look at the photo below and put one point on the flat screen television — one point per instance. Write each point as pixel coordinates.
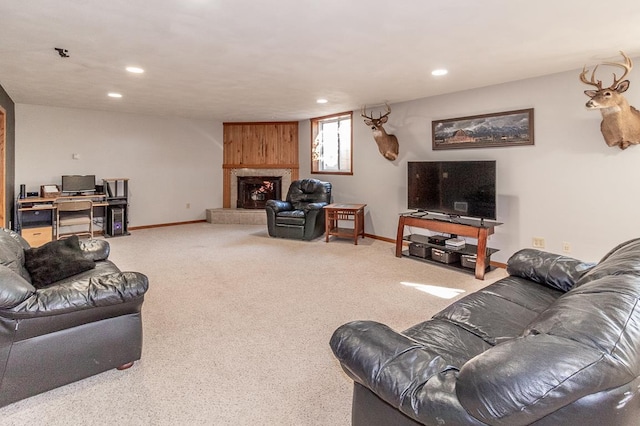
(456, 188)
(78, 184)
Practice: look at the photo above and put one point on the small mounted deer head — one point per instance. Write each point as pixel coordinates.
(387, 144)
(620, 122)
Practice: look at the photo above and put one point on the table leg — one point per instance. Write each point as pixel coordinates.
(327, 227)
(356, 228)
(399, 236)
(481, 254)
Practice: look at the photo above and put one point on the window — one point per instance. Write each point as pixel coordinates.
(331, 144)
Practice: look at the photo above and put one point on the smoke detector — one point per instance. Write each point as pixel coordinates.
(64, 53)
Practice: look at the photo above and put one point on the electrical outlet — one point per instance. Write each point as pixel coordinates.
(188, 205)
(566, 247)
(538, 242)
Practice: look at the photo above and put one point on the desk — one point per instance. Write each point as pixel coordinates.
(337, 212)
(35, 218)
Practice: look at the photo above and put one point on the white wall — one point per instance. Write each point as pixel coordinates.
(570, 186)
(170, 161)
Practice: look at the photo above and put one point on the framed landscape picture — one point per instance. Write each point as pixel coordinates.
(509, 128)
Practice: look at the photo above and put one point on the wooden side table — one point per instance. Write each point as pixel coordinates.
(336, 212)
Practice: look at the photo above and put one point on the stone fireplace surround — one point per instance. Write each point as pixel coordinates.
(234, 215)
(254, 192)
(235, 173)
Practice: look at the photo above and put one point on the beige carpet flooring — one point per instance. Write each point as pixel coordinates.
(237, 326)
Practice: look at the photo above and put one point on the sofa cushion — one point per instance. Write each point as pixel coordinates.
(528, 294)
(55, 261)
(528, 378)
(291, 217)
(451, 342)
(621, 260)
(500, 311)
(602, 314)
(559, 272)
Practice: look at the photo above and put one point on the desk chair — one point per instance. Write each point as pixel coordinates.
(72, 213)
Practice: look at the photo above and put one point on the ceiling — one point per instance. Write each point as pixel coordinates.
(251, 60)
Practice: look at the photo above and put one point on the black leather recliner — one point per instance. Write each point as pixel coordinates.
(301, 216)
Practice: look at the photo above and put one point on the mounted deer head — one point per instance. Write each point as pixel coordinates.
(620, 122)
(387, 144)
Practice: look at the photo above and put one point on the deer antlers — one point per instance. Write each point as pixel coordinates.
(364, 112)
(626, 66)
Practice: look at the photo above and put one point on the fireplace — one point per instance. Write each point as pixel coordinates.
(231, 181)
(254, 191)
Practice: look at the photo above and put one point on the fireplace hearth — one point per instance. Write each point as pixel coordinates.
(254, 191)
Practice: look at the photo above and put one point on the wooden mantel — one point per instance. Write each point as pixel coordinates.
(260, 145)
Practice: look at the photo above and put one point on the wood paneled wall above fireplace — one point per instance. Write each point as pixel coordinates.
(265, 145)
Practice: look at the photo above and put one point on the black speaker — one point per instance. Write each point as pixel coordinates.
(115, 221)
(23, 191)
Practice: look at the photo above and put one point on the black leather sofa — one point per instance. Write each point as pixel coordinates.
(68, 329)
(557, 342)
(301, 216)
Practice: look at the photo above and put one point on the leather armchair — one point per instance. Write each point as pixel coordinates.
(301, 216)
(68, 330)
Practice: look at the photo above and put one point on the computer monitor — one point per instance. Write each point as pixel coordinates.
(78, 184)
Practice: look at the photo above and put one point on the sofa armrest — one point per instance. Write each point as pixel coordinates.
(559, 272)
(95, 249)
(13, 288)
(392, 365)
(314, 206)
(523, 380)
(278, 205)
(85, 293)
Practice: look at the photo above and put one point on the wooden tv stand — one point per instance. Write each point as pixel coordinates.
(473, 228)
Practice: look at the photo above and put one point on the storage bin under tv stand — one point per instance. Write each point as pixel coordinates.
(464, 227)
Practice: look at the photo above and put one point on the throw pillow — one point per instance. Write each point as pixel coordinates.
(556, 271)
(55, 261)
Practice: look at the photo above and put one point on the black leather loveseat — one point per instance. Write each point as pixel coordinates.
(66, 313)
(555, 343)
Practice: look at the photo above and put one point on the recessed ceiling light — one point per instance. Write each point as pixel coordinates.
(322, 101)
(440, 71)
(114, 95)
(135, 70)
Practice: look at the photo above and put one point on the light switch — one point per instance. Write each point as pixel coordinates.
(75, 156)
